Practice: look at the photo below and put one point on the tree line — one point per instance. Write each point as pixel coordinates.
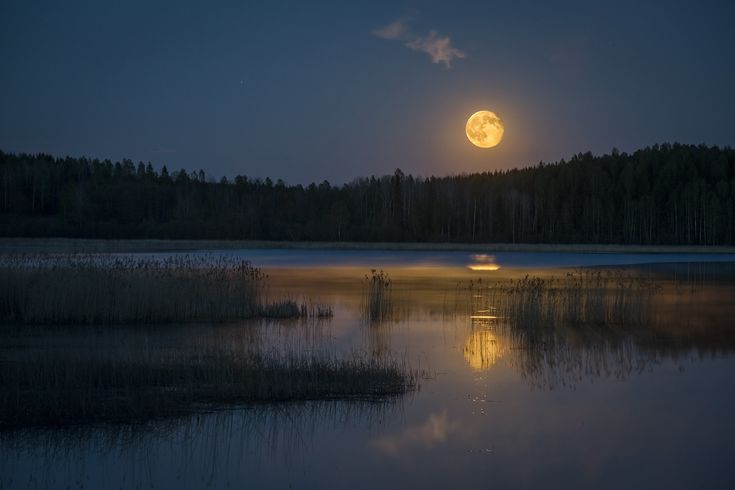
(662, 194)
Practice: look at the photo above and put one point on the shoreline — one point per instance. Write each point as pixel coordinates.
(93, 245)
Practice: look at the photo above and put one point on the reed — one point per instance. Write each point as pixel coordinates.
(582, 297)
(74, 389)
(377, 304)
(291, 309)
(105, 289)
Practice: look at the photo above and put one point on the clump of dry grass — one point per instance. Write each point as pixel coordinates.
(378, 297)
(55, 391)
(104, 289)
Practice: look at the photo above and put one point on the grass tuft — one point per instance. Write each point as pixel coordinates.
(378, 297)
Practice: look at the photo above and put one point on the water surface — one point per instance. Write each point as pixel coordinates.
(500, 405)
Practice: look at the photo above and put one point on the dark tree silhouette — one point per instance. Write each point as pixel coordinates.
(664, 194)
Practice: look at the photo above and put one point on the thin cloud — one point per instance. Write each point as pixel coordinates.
(394, 30)
(439, 48)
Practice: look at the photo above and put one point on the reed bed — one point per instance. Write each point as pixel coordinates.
(377, 304)
(581, 297)
(69, 390)
(590, 323)
(104, 289)
(291, 309)
(586, 323)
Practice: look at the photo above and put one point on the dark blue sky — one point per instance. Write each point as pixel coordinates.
(307, 91)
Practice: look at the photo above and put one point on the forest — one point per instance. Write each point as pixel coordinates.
(662, 194)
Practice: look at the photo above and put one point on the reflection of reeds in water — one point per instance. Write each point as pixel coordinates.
(548, 361)
(548, 358)
(224, 439)
(378, 297)
(379, 310)
(61, 390)
(378, 340)
(586, 324)
(90, 289)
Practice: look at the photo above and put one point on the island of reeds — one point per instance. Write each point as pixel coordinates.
(43, 295)
(133, 387)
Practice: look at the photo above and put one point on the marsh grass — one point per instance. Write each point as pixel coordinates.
(377, 303)
(582, 297)
(586, 323)
(104, 289)
(61, 391)
(291, 309)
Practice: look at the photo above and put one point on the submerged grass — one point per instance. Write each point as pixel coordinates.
(104, 289)
(66, 391)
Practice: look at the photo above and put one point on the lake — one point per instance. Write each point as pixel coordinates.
(503, 402)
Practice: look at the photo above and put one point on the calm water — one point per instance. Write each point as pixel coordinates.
(646, 407)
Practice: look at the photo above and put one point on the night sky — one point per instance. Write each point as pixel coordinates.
(307, 91)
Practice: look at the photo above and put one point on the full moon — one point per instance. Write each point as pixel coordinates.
(484, 129)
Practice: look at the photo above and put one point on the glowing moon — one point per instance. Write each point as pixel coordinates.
(484, 129)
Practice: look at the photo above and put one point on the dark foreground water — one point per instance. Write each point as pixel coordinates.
(501, 405)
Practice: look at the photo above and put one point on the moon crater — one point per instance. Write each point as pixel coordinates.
(484, 129)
